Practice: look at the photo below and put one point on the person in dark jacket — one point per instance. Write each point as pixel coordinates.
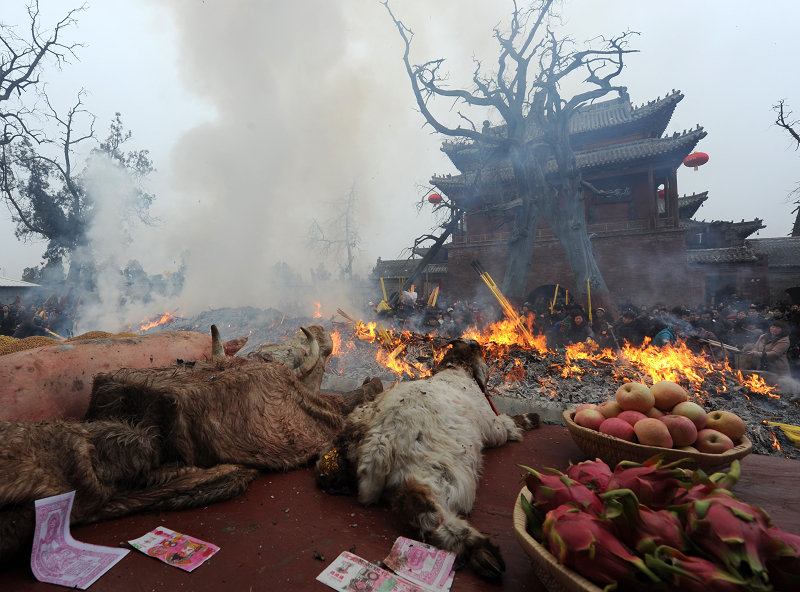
(769, 351)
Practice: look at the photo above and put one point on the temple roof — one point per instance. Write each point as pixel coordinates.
(742, 254)
(689, 204)
(671, 148)
(782, 251)
(739, 230)
(613, 118)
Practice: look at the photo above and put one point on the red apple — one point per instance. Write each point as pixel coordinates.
(655, 412)
(583, 406)
(693, 411)
(619, 428)
(726, 422)
(631, 416)
(653, 432)
(589, 418)
(667, 394)
(713, 442)
(609, 408)
(635, 396)
(681, 428)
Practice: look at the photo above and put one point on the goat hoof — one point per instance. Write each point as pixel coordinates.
(486, 561)
(527, 421)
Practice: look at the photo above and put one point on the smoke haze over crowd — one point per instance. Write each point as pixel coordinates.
(261, 116)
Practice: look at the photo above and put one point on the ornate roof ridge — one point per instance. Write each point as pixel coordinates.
(594, 116)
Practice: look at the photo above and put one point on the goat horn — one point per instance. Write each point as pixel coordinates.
(311, 357)
(217, 349)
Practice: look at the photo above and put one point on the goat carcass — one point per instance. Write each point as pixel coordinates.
(419, 444)
(171, 438)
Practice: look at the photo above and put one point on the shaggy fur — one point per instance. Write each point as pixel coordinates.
(168, 438)
(418, 444)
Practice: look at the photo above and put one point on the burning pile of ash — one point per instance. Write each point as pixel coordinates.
(525, 376)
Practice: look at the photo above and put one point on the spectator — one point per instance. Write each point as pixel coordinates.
(629, 329)
(769, 351)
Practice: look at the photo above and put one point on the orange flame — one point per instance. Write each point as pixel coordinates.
(318, 312)
(155, 322)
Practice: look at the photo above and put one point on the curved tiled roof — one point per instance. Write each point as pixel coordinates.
(689, 204)
(741, 230)
(674, 147)
(743, 254)
(782, 251)
(604, 115)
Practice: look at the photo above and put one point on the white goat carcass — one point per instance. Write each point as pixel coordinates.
(418, 445)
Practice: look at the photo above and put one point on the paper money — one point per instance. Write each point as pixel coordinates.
(352, 573)
(57, 558)
(174, 548)
(422, 564)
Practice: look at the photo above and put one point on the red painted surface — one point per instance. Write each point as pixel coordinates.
(283, 532)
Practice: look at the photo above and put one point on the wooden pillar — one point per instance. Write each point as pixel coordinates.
(672, 198)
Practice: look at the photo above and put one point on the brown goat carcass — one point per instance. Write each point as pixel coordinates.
(418, 445)
(171, 438)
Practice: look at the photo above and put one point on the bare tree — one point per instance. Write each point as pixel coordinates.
(338, 236)
(524, 90)
(792, 126)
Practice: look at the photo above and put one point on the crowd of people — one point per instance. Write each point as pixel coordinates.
(763, 337)
(49, 317)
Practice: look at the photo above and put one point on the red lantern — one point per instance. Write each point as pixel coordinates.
(695, 159)
(434, 198)
(660, 194)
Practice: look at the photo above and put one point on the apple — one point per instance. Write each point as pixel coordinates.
(583, 406)
(681, 428)
(631, 416)
(713, 442)
(653, 432)
(726, 422)
(589, 418)
(655, 412)
(693, 411)
(667, 394)
(635, 396)
(609, 408)
(688, 449)
(619, 428)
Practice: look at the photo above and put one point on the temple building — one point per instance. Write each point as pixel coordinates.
(646, 242)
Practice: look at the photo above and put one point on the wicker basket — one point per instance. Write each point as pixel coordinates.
(554, 576)
(613, 450)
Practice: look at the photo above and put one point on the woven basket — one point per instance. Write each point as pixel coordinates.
(554, 576)
(613, 450)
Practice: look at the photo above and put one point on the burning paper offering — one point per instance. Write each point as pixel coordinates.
(174, 548)
(57, 558)
(422, 564)
(351, 572)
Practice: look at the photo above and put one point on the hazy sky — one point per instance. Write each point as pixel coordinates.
(260, 115)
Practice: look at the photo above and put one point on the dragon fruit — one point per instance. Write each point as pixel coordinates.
(640, 527)
(692, 574)
(655, 485)
(703, 485)
(594, 474)
(733, 533)
(553, 490)
(586, 543)
(783, 561)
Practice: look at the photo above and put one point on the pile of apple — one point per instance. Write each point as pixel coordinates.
(662, 415)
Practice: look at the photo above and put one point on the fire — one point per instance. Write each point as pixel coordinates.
(400, 352)
(148, 324)
(318, 310)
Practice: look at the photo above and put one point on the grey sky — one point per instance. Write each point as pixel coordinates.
(259, 115)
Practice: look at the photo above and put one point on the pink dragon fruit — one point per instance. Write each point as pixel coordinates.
(703, 485)
(733, 533)
(594, 474)
(640, 527)
(783, 561)
(586, 543)
(551, 491)
(692, 574)
(655, 486)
